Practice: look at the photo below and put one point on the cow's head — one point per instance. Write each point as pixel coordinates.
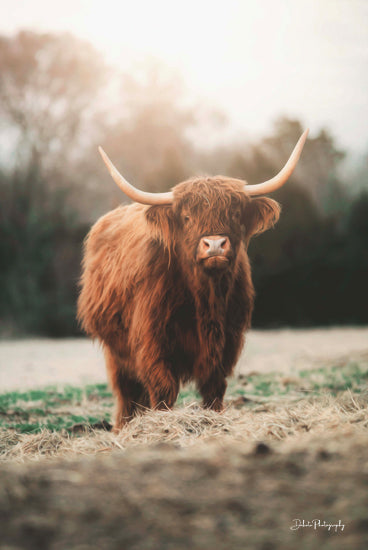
(207, 218)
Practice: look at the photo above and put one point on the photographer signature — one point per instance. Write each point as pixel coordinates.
(317, 524)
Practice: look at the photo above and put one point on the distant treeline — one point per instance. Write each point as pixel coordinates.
(312, 269)
(314, 272)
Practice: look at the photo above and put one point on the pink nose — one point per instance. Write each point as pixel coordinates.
(213, 245)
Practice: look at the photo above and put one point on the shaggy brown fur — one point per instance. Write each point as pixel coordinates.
(163, 316)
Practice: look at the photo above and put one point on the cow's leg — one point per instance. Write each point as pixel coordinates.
(161, 384)
(212, 391)
(131, 398)
(129, 392)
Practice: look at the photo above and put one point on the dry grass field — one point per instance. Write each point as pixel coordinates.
(290, 445)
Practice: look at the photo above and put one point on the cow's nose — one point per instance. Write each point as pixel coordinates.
(214, 246)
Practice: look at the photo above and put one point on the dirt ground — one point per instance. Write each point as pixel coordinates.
(210, 496)
(39, 362)
(278, 473)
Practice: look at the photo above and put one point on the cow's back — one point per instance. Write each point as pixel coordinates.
(113, 265)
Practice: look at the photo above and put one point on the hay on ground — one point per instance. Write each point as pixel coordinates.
(191, 425)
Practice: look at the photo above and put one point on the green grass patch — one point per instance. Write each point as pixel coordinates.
(188, 394)
(333, 380)
(55, 409)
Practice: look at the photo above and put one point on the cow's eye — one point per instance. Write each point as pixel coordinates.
(186, 219)
(237, 215)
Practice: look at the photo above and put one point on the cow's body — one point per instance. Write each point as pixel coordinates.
(164, 314)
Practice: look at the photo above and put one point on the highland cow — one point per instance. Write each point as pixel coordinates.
(167, 289)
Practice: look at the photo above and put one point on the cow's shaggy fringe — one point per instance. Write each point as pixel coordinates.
(293, 424)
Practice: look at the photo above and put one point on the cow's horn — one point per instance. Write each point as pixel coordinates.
(283, 175)
(132, 192)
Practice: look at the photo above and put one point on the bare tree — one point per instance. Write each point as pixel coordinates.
(49, 90)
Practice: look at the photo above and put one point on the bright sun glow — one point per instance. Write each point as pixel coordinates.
(254, 59)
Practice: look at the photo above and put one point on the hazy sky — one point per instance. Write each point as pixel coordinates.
(254, 59)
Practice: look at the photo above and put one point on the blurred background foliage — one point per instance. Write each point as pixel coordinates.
(59, 99)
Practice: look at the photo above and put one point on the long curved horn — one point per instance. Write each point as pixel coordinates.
(281, 178)
(133, 193)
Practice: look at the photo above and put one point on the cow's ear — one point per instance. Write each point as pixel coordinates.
(161, 219)
(259, 215)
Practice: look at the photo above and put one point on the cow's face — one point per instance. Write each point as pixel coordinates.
(208, 220)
